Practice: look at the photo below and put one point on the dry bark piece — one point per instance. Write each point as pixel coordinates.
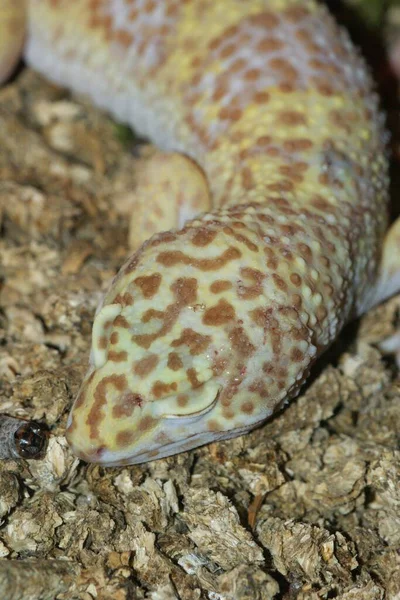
(33, 579)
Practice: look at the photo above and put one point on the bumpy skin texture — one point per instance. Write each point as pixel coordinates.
(207, 330)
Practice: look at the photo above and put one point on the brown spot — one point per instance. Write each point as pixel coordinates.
(237, 65)
(174, 362)
(221, 313)
(276, 342)
(272, 151)
(266, 19)
(149, 6)
(324, 260)
(219, 286)
(185, 290)
(264, 140)
(295, 279)
(125, 438)
(252, 74)
(241, 342)
(329, 290)
(146, 365)
(301, 334)
(263, 317)
(268, 368)
(283, 65)
(296, 355)
(148, 284)
(165, 237)
(297, 301)
(120, 321)
(247, 407)
(287, 87)
(227, 51)
(261, 98)
(182, 400)
(272, 261)
(251, 291)
(96, 415)
(146, 423)
(123, 37)
(281, 186)
(161, 389)
(288, 312)
(321, 313)
(258, 316)
(230, 113)
(114, 337)
(132, 15)
(192, 377)
(228, 413)
(290, 172)
(197, 342)
(151, 313)
(102, 344)
(240, 238)
(123, 299)
(213, 425)
(291, 117)
(279, 282)
(259, 387)
(247, 178)
(325, 88)
(316, 63)
(270, 45)
(126, 405)
(305, 251)
(170, 259)
(203, 236)
(219, 366)
(117, 356)
(297, 145)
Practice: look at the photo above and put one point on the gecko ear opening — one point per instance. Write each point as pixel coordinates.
(202, 400)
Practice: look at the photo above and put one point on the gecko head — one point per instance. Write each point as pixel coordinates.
(182, 351)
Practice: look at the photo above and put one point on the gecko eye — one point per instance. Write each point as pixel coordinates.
(202, 400)
(197, 413)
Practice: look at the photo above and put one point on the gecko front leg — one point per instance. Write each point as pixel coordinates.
(171, 189)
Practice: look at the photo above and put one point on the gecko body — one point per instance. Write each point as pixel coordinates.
(207, 329)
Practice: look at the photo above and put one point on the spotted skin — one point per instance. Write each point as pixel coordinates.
(206, 330)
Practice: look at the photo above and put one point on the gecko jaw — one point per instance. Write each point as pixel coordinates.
(151, 430)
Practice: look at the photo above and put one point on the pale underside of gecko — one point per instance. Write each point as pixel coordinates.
(206, 330)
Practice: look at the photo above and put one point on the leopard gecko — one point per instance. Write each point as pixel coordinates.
(270, 128)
